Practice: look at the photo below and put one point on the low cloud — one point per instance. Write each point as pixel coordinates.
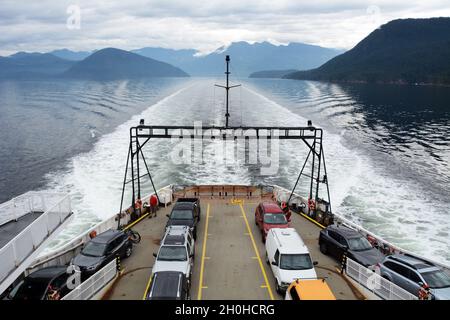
(202, 24)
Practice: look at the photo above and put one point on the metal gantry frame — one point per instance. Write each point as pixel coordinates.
(311, 136)
(141, 135)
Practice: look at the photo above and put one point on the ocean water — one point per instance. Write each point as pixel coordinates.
(387, 147)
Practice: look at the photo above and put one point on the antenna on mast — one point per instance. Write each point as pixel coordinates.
(227, 88)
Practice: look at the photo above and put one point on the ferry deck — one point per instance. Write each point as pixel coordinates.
(229, 257)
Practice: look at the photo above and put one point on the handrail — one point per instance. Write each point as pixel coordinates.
(31, 238)
(94, 283)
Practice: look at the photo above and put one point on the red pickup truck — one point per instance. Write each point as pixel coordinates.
(269, 215)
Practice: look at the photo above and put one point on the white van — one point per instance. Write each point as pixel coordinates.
(288, 256)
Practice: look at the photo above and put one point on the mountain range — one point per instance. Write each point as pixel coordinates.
(246, 58)
(111, 63)
(401, 51)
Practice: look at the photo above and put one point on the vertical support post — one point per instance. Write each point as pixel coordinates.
(227, 88)
(313, 149)
(318, 167)
(138, 148)
(133, 199)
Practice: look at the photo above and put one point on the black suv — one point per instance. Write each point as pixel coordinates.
(185, 212)
(43, 284)
(335, 240)
(169, 285)
(101, 250)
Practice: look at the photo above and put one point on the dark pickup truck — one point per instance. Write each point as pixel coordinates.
(185, 212)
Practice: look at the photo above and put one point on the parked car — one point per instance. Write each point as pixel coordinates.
(101, 250)
(309, 290)
(335, 240)
(411, 273)
(185, 212)
(269, 215)
(288, 257)
(176, 252)
(169, 285)
(44, 284)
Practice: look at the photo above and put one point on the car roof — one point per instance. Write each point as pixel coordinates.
(289, 241)
(345, 231)
(414, 262)
(47, 273)
(166, 284)
(106, 236)
(313, 289)
(271, 207)
(174, 239)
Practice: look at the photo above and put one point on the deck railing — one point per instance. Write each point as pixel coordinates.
(375, 283)
(94, 284)
(30, 240)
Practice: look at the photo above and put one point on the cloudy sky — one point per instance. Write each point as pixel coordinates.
(200, 24)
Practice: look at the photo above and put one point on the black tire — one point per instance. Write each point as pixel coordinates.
(267, 259)
(324, 248)
(277, 287)
(135, 237)
(195, 234)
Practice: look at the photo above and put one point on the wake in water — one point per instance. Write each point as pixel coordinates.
(360, 191)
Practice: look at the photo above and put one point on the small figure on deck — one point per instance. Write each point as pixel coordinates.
(137, 209)
(424, 292)
(286, 210)
(153, 205)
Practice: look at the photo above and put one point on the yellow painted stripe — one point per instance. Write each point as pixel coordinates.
(269, 289)
(312, 220)
(202, 266)
(148, 286)
(138, 220)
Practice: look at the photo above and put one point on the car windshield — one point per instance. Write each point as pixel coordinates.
(31, 290)
(436, 279)
(94, 249)
(181, 214)
(172, 253)
(295, 262)
(359, 244)
(275, 218)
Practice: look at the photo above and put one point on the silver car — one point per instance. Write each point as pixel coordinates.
(411, 273)
(176, 252)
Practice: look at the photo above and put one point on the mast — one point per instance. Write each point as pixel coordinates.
(227, 88)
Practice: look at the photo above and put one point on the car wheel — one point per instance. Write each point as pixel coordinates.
(267, 259)
(277, 286)
(128, 251)
(323, 248)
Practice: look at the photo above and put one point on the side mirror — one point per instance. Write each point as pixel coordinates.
(154, 254)
(191, 255)
(315, 263)
(274, 263)
(167, 216)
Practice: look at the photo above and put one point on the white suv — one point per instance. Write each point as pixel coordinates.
(288, 257)
(176, 252)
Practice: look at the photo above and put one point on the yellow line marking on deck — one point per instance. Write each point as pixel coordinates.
(147, 287)
(263, 286)
(202, 266)
(204, 287)
(269, 289)
(312, 220)
(138, 220)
